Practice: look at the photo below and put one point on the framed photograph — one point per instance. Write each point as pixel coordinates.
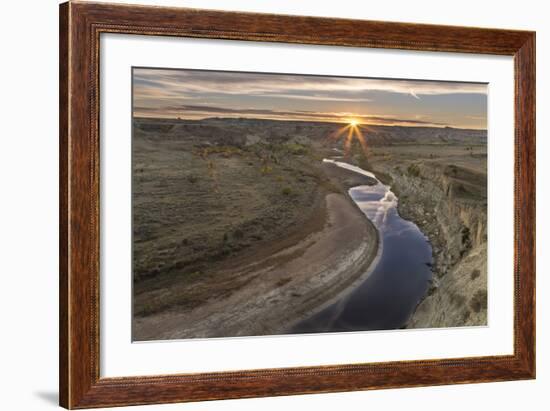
(259, 205)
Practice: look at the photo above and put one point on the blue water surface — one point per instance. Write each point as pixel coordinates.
(399, 279)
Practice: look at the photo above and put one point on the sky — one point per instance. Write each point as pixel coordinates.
(198, 94)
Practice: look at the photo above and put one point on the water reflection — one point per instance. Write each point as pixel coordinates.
(387, 298)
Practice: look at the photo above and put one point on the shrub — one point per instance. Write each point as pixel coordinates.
(479, 301)
(466, 240)
(458, 299)
(384, 178)
(296, 149)
(238, 233)
(266, 169)
(286, 191)
(225, 151)
(192, 178)
(475, 274)
(413, 170)
(464, 316)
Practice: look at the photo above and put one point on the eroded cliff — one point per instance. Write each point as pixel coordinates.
(448, 201)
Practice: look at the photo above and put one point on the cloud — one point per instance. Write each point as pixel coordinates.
(203, 111)
(201, 93)
(414, 95)
(292, 86)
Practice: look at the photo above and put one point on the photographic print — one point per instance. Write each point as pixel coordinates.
(268, 204)
(290, 205)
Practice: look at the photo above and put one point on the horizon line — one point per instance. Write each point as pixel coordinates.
(178, 118)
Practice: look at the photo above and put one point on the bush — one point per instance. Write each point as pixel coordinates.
(296, 149)
(413, 170)
(286, 191)
(464, 316)
(238, 233)
(458, 299)
(479, 301)
(466, 240)
(192, 178)
(475, 274)
(384, 178)
(225, 151)
(266, 169)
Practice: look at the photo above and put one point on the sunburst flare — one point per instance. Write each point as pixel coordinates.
(349, 133)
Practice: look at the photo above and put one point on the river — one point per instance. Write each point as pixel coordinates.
(399, 276)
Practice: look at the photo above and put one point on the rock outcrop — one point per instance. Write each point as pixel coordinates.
(449, 204)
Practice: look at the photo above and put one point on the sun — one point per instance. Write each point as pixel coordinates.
(350, 132)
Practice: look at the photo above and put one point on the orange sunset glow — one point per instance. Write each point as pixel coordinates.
(200, 94)
(350, 132)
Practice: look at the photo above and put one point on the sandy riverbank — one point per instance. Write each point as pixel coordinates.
(279, 288)
(239, 229)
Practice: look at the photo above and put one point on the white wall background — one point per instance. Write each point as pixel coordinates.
(29, 191)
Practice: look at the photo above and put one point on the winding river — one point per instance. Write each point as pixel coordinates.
(398, 278)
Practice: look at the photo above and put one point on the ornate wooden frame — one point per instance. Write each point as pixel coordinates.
(80, 27)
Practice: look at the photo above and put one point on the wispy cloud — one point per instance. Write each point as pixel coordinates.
(173, 92)
(192, 111)
(414, 95)
(254, 83)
